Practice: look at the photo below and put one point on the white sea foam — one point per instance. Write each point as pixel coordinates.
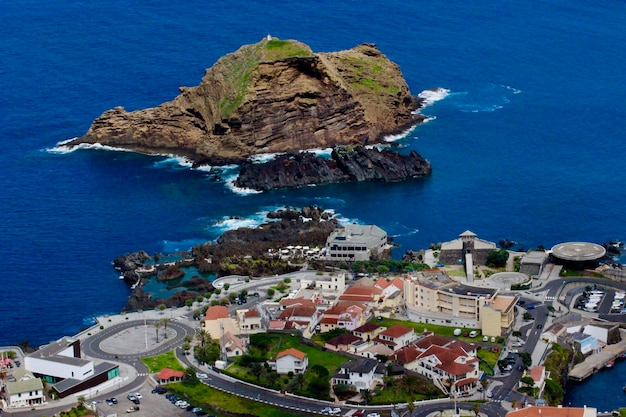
(402, 135)
(433, 95)
(261, 158)
(174, 161)
(230, 183)
(63, 148)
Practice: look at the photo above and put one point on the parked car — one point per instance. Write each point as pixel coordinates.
(138, 395)
(131, 397)
(373, 415)
(358, 413)
(132, 409)
(201, 375)
(489, 394)
(540, 326)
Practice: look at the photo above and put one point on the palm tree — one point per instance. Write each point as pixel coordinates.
(300, 380)
(203, 337)
(476, 409)
(367, 395)
(164, 321)
(156, 325)
(410, 405)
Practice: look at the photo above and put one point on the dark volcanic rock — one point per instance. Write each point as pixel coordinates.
(347, 164)
(130, 261)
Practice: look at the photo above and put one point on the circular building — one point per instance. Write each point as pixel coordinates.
(578, 255)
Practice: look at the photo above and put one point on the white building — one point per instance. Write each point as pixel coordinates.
(290, 360)
(355, 243)
(60, 360)
(359, 373)
(25, 391)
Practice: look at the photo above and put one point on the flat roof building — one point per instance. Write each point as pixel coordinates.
(355, 242)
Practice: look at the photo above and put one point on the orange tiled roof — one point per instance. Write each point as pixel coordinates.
(536, 372)
(293, 352)
(216, 312)
(167, 373)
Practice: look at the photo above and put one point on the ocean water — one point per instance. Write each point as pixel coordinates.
(526, 144)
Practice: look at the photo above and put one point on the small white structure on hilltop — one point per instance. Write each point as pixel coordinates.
(355, 242)
(269, 37)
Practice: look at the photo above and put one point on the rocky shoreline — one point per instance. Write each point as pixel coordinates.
(244, 251)
(346, 164)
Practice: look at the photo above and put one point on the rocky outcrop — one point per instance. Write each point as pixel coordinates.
(346, 164)
(271, 97)
(245, 251)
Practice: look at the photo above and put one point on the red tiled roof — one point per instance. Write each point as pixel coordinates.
(396, 330)
(297, 311)
(536, 372)
(406, 355)
(252, 313)
(167, 373)
(216, 313)
(277, 324)
(363, 291)
(293, 352)
(343, 339)
(367, 327)
(465, 381)
(436, 340)
(328, 320)
(447, 358)
(543, 411)
(286, 302)
(334, 310)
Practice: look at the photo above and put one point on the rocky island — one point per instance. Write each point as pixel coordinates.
(274, 96)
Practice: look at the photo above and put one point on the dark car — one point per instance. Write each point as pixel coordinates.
(540, 326)
(201, 413)
(136, 401)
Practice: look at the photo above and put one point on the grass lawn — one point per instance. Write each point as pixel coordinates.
(280, 342)
(490, 357)
(165, 360)
(215, 401)
(436, 328)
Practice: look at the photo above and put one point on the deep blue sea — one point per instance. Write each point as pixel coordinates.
(527, 145)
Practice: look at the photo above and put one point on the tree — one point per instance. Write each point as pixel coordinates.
(162, 308)
(367, 395)
(410, 405)
(226, 286)
(498, 258)
(189, 302)
(551, 309)
(300, 380)
(320, 371)
(157, 325)
(203, 337)
(164, 322)
(81, 401)
(476, 409)
(257, 370)
(484, 383)
(186, 346)
(270, 292)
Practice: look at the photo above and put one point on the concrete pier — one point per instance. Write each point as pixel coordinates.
(596, 362)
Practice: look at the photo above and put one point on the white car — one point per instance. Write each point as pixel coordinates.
(331, 410)
(138, 395)
(373, 415)
(201, 376)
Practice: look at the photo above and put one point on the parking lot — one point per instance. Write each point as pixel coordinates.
(150, 405)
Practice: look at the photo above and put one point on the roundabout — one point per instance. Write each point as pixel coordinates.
(504, 280)
(131, 340)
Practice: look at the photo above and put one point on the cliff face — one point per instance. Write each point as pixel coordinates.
(273, 96)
